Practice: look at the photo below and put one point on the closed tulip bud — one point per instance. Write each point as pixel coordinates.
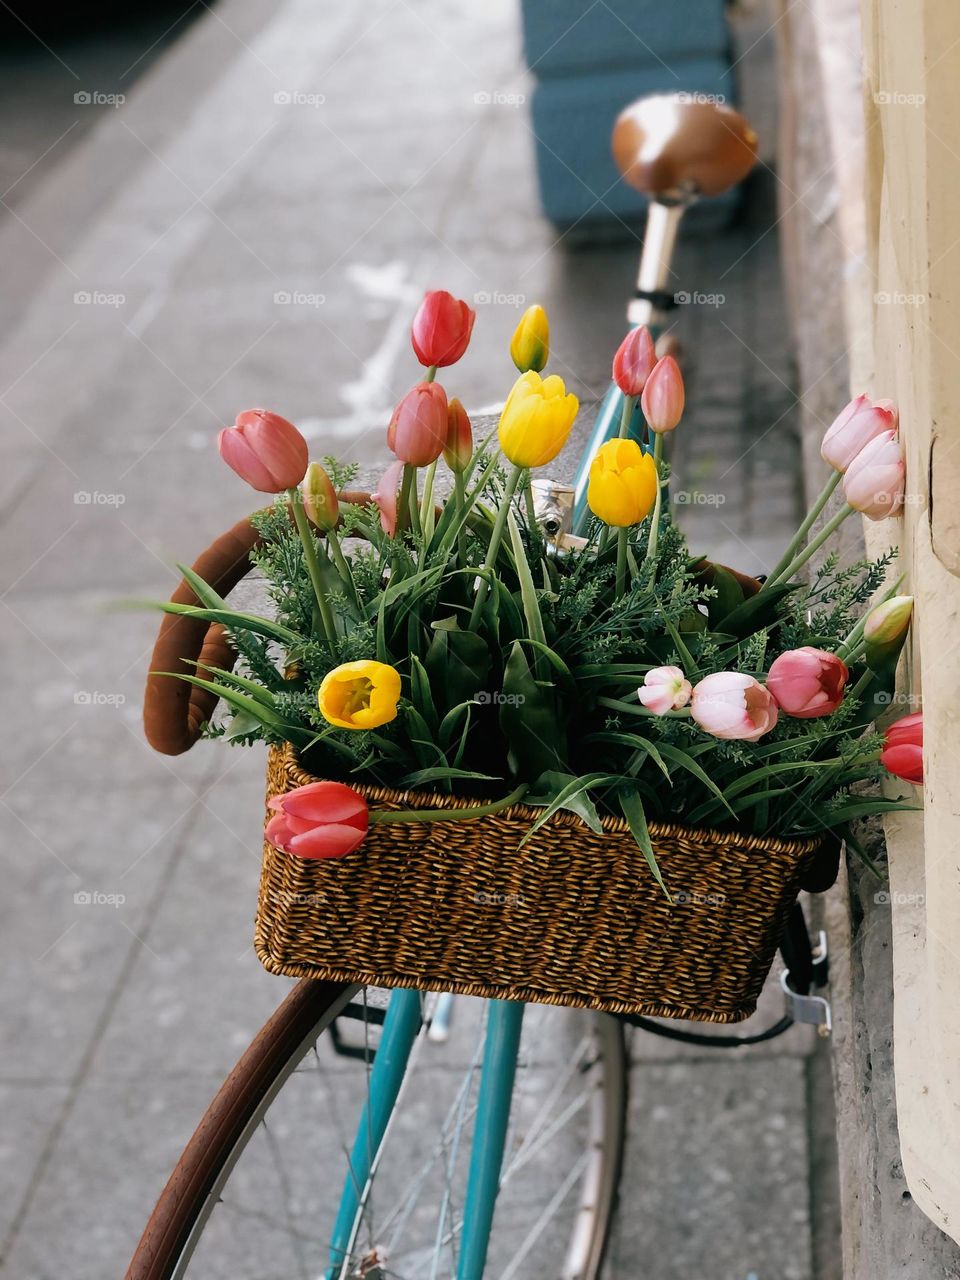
(320, 820)
(807, 682)
(458, 449)
(730, 704)
(320, 498)
(861, 421)
(441, 328)
(418, 428)
(265, 450)
(663, 396)
(387, 497)
(873, 482)
(902, 753)
(635, 361)
(360, 695)
(664, 689)
(623, 483)
(530, 344)
(536, 419)
(885, 631)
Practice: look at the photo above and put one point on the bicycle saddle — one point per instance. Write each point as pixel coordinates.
(673, 144)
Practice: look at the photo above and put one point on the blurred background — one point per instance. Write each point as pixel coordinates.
(207, 207)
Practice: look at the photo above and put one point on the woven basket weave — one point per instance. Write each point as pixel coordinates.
(573, 918)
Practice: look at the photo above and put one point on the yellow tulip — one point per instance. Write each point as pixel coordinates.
(623, 483)
(536, 419)
(360, 695)
(530, 344)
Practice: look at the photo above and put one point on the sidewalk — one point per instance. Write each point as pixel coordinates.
(239, 241)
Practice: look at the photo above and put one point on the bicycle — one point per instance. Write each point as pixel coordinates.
(509, 1089)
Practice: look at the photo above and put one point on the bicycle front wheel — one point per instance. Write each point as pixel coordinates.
(256, 1192)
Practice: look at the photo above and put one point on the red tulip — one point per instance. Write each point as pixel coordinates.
(418, 428)
(634, 361)
(265, 450)
(663, 396)
(386, 497)
(458, 449)
(807, 682)
(441, 328)
(902, 753)
(320, 820)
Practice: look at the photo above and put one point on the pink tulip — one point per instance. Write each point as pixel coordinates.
(807, 682)
(854, 427)
(418, 428)
(386, 497)
(873, 482)
(458, 448)
(634, 361)
(441, 328)
(320, 820)
(902, 753)
(265, 450)
(663, 396)
(730, 704)
(664, 689)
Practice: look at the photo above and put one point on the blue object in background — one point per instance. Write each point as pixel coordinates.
(590, 62)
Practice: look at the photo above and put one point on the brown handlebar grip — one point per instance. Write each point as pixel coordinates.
(174, 712)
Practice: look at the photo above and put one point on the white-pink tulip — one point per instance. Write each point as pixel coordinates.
(861, 421)
(730, 704)
(873, 482)
(664, 689)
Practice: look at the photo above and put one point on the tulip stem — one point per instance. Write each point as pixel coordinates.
(313, 565)
(407, 503)
(658, 501)
(430, 374)
(828, 530)
(381, 816)
(626, 415)
(426, 504)
(459, 493)
(808, 522)
(343, 566)
(494, 544)
(622, 536)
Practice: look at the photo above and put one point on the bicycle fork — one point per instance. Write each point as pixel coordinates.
(497, 1075)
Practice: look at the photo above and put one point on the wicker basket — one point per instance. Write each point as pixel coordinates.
(574, 918)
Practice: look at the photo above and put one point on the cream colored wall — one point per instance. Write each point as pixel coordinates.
(911, 55)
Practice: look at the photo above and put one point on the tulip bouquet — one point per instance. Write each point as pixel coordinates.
(449, 646)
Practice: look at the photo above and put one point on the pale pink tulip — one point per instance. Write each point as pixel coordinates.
(664, 689)
(418, 428)
(265, 450)
(320, 820)
(730, 704)
(807, 682)
(663, 396)
(634, 361)
(388, 491)
(861, 421)
(873, 482)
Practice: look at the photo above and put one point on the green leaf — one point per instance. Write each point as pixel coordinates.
(421, 694)
(632, 807)
(564, 791)
(256, 690)
(529, 720)
(528, 593)
(234, 621)
(756, 611)
(201, 589)
(240, 702)
(458, 664)
(422, 776)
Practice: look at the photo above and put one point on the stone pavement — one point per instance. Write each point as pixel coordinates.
(254, 226)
